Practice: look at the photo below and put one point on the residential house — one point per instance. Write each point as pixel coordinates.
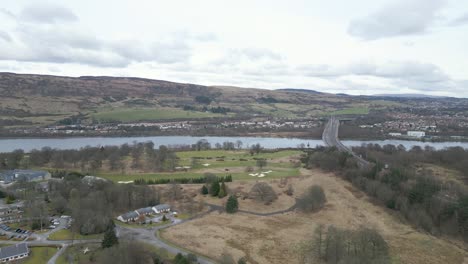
(26, 175)
(144, 211)
(417, 134)
(162, 208)
(14, 252)
(128, 217)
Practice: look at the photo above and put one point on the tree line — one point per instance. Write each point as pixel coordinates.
(187, 180)
(336, 245)
(433, 204)
(90, 159)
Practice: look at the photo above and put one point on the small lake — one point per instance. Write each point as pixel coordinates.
(27, 144)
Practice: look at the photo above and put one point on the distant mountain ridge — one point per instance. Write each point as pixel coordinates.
(409, 96)
(299, 90)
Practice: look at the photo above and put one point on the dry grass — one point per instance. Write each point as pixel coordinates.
(275, 239)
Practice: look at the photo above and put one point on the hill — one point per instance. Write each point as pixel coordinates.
(30, 99)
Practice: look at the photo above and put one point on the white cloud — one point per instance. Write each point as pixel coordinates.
(305, 44)
(398, 19)
(47, 13)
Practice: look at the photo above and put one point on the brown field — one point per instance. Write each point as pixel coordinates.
(275, 239)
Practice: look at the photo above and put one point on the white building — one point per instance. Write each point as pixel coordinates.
(14, 252)
(417, 134)
(392, 134)
(162, 208)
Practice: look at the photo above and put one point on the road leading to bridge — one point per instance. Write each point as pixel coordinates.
(330, 138)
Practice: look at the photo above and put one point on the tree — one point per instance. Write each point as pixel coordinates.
(164, 218)
(204, 190)
(312, 200)
(110, 238)
(232, 205)
(222, 191)
(290, 190)
(262, 192)
(255, 149)
(239, 144)
(261, 163)
(215, 187)
(242, 260)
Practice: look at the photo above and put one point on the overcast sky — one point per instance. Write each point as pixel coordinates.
(355, 47)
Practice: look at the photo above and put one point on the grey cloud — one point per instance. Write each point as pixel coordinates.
(5, 36)
(461, 20)
(58, 43)
(398, 19)
(7, 13)
(166, 52)
(48, 14)
(423, 72)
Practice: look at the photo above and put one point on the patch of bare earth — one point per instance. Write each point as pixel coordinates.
(275, 239)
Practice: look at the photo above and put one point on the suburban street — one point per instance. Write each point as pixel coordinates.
(146, 235)
(330, 138)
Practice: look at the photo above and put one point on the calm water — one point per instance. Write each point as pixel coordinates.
(28, 144)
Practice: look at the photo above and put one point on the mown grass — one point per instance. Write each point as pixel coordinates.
(278, 172)
(351, 111)
(235, 160)
(40, 255)
(66, 234)
(141, 114)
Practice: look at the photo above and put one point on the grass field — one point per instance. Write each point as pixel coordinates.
(351, 111)
(66, 234)
(96, 251)
(221, 163)
(40, 255)
(141, 114)
(278, 172)
(276, 239)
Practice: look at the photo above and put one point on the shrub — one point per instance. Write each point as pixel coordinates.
(312, 200)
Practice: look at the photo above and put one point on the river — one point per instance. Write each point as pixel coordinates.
(27, 144)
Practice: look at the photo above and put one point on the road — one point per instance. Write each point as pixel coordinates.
(330, 138)
(147, 235)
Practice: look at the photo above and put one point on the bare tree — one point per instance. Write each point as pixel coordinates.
(262, 192)
(312, 200)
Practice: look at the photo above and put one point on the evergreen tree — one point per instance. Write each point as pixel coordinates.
(110, 238)
(204, 190)
(164, 218)
(215, 187)
(232, 204)
(222, 191)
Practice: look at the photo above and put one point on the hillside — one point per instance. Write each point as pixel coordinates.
(43, 99)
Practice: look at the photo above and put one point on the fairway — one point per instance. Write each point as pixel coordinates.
(221, 163)
(145, 114)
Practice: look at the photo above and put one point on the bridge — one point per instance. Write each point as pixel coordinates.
(330, 138)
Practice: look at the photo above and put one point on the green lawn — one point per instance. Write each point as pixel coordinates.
(141, 114)
(77, 252)
(351, 111)
(66, 234)
(115, 177)
(217, 159)
(278, 172)
(40, 255)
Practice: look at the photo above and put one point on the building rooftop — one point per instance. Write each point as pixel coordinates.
(14, 250)
(28, 175)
